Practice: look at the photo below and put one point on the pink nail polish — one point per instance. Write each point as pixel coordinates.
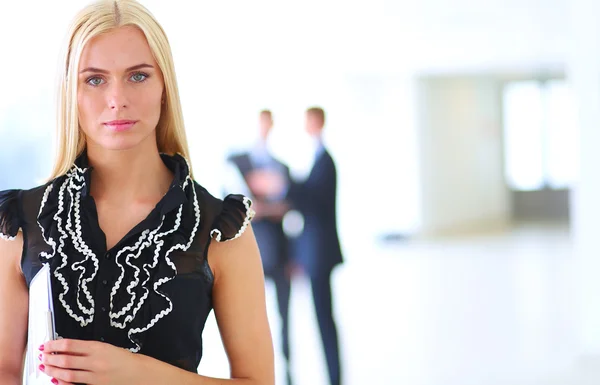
(40, 357)
(54, 381)
(41, 348)
(42, 367)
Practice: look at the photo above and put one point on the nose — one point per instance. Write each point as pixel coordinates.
(117, 97)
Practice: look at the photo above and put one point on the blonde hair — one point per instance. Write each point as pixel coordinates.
(95, 19)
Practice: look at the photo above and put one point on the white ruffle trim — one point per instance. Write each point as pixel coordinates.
(78, 243)
(162, 281)
(216, 233)
(146, 239)
(6, 237)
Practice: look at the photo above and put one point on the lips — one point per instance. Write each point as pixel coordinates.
(120, 125)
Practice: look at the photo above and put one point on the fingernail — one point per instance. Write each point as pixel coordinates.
(41, 348)
(42, 367)
(54, 381)
(40, 357)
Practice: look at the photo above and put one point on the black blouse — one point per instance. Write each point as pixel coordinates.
(152, 292)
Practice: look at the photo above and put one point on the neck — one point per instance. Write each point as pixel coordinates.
(133, 174)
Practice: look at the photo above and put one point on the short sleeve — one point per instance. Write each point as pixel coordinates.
(234, 218)
(9, 214)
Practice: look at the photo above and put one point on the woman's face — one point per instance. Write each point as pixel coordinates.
(120, 90)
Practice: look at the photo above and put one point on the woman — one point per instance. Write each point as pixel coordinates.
(125, 229)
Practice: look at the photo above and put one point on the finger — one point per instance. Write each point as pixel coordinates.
(58, 382)
(67, 376)
(66, 361)
(68, 346)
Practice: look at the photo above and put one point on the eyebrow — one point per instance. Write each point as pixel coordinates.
(101, 71)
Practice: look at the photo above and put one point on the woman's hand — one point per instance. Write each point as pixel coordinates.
(90, 362)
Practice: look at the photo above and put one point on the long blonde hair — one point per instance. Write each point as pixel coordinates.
(95, 19)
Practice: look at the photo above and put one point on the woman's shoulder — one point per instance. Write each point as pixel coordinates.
(229, 217)
(15, 207)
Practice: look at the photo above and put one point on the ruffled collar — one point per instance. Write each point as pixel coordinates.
(142, 257)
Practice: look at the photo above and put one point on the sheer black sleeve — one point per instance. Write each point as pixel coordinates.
(234, 218)
(9, 214)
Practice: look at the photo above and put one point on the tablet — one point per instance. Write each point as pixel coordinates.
(41, 327)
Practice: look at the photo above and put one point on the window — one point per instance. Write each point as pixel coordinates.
(540, 135)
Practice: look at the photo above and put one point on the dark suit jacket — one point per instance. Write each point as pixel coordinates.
(317, 248)
(272, 241)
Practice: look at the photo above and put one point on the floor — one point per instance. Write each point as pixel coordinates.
(491, 309)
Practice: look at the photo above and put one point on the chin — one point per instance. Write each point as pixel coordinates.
(121, 143)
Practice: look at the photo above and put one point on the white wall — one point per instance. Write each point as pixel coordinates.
(462, 175)
(584, 73)
(376, 35)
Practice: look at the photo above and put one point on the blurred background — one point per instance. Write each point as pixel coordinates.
(466, 139)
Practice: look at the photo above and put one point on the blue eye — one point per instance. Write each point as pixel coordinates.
(94, 81)
(139, 77)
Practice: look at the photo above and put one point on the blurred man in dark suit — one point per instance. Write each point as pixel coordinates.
(317, 248)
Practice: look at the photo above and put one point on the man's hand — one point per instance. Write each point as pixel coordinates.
(265, 183)
(273, 210)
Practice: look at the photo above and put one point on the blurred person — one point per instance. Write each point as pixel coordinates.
(317, 248)
(125, 230)
(268, 221)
